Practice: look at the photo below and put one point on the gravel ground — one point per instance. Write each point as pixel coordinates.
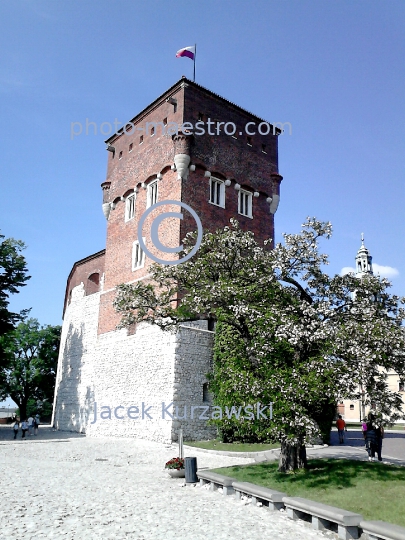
(67, 486)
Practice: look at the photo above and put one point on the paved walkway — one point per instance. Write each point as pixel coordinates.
(67, 486)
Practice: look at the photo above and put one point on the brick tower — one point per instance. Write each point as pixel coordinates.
(189, 145)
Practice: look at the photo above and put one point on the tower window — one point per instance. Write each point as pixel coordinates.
(130, 207)
(130, 147)
(152, 196)
(352, 407)
(138, 256)
(120, 155)
(141, 139)
(245, 203)
(217, 192)
(165, 121)
(401, 386)
(93, 283)
(152, 131)
(206, 394)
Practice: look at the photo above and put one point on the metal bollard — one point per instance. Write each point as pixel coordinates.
(191, 470)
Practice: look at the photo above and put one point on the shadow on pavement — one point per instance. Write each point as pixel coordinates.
(45, 434)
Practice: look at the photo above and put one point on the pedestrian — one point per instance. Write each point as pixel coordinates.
(341, 425)
(15, 428)
(35, 426)
(379, 436)
(371, 440)
(30, 425)
(24, 428)
(364, 427)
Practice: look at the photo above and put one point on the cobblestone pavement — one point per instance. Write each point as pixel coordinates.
(72, 487)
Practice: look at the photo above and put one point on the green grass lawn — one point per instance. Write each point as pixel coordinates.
(216, 444)
(374, 490)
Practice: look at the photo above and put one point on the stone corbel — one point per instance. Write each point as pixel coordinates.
(274, 204)
(106, 210)
(181, 162)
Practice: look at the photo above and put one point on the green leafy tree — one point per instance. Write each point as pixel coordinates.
(289, 334)
(13, 275)
(32, 356)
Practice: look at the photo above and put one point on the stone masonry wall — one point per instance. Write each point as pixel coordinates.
(131, 378)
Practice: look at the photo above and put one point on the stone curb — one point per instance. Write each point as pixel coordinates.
(245, 454)
(350, 524)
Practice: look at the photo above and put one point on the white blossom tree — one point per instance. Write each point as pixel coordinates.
(306, 338)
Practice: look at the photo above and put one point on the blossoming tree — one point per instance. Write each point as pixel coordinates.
(287, 332)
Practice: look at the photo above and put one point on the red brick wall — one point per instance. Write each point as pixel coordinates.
(224, 156)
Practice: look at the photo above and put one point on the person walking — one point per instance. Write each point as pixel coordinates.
(24, 428)
(341, 425)
(15, 428)
(30, 425)
(364, 428)
(379, 432)
(35, 426)
(371, 441)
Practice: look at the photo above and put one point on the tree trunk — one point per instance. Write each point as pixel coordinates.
(23, 410)
(292, 457)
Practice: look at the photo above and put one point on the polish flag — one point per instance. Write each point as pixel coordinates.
(187, 51)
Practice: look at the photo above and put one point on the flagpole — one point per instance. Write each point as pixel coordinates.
(195, 54)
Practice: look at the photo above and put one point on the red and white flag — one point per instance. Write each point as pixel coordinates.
(187, 51)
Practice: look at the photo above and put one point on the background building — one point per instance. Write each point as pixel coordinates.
(355, 410)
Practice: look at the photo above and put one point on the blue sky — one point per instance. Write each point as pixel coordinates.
(335, 70)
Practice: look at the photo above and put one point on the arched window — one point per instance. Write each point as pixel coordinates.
(352, 407)
(93, 283)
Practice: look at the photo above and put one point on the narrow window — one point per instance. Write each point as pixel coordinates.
(165, 121)
(120, 155)
(130, 147)
(264, 149)
(249, 141)
(138, 256)
(141, 139)
(401, 386)
(152, 131)
(152, 196)
(217, 192)
(245, 203)
(206, 394)
(130, 207)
